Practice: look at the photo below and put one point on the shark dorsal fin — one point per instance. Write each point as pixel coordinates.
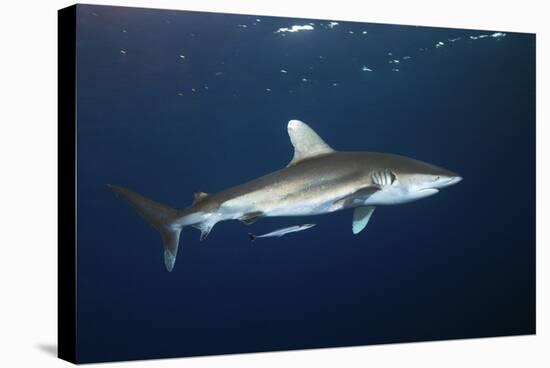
(306, 142)
(199, 196)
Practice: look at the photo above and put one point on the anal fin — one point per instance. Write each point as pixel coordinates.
(205, 228)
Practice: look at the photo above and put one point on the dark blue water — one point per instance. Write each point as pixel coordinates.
(458, 264)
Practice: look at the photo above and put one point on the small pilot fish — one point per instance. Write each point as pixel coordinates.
(281, 232)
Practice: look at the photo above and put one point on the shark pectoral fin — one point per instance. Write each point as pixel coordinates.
(358, 197)
(366, 192)
(251, 217)
(306, 142)
(361, 217)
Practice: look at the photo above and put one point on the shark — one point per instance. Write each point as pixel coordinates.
(318, 180)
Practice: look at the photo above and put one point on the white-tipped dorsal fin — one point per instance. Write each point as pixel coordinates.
(306, 142)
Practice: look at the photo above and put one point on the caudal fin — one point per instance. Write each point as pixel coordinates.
(161, 217)
(252, 237)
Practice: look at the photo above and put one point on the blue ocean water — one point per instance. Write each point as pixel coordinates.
(174, 102)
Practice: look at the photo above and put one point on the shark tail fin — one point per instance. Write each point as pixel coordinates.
(161, 217)
(252, 237)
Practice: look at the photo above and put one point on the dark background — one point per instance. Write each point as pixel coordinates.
(455, 265)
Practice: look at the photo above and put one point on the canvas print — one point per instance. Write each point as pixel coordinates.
(253, 183)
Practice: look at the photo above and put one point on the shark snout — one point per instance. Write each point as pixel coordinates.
(454, 180)
(444, 181)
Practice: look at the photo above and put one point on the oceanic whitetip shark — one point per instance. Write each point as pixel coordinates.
(317, 180)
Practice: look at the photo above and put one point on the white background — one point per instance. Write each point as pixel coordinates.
(28, 181)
